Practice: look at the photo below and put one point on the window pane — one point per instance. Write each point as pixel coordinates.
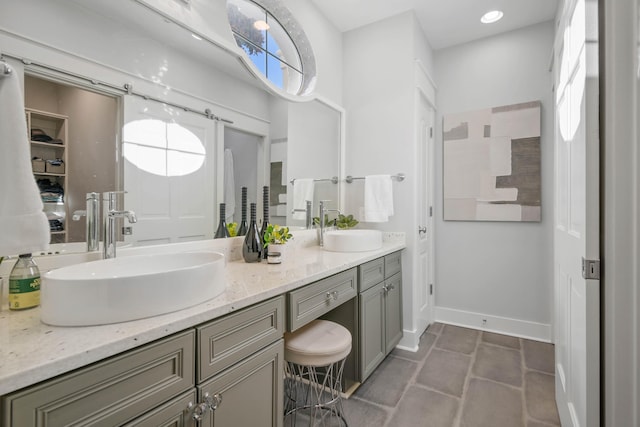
(257, 55)
(291, 79)
(280, 44)
(248, 21)
(274, 71)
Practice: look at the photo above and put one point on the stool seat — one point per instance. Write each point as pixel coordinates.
(319, 343)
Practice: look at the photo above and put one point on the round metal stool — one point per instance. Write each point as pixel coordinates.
(314, 360)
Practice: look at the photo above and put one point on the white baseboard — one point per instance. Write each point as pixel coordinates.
(500, 325)
(409, 341)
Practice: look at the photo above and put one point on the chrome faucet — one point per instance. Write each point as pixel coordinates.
(307, 211)
(111, 213)
(92, 213)
(321, 220)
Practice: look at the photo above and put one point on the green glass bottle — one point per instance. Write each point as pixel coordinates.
(24, 284)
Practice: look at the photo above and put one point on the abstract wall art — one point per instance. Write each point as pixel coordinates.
(491, 164)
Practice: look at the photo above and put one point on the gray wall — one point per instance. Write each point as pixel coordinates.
(497, 268)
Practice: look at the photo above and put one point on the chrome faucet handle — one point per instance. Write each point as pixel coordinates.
(78, 214)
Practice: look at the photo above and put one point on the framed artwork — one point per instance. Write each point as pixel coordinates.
(491, 164)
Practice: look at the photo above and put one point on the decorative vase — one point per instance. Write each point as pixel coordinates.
(242, 230)
(265, 215)
(222, 231)
(252, 248)
(275, 253)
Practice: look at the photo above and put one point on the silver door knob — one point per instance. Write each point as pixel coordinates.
(422, 230)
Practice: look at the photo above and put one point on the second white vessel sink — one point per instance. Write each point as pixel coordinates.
(352, 240)
(129, 288)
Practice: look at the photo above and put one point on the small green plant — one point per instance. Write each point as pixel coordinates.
(344, 222)
(275, 234)
(327, 222)
(232, 227)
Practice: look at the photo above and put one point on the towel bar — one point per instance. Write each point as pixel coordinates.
(333, 179)
(398, 177)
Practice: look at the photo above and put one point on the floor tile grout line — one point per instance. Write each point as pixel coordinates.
(412, 380)
(490, 380)
(523, 368)
(426, 387)
(457, 421)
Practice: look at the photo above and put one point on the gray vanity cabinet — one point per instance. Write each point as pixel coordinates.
(238, 357)
(380, 304)
(109, 393)
(241, 363)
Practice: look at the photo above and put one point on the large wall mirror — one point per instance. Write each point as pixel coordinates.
(113, 136)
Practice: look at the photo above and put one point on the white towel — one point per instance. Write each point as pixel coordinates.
(23, 225)
(229, 186)
(302, 191)
(378, 198)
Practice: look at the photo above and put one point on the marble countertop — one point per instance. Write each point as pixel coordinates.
(31, 351)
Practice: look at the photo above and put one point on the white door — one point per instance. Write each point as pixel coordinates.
(170, 161)
(576, 236)
(423, 305)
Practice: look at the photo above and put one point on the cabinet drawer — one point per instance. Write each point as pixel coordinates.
(174, 413)
(111, 392)
(392, 264)
(223, 342)
(370, 273)
(314, 300)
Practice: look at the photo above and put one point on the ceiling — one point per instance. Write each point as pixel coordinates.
(445, 22)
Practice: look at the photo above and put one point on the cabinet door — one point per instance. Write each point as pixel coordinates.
(251, 391)
(393, 311)
(372, 329)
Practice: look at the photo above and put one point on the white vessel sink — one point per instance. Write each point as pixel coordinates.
(352, 240)
(132, 287)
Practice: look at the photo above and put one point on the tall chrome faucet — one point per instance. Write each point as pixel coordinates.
(92, 213)
(111, 213)
(307, 211)
(321, 218)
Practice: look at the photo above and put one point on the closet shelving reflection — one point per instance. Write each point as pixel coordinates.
(49, 163)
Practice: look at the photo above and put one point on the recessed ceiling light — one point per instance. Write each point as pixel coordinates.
(491, 17)
(261, 25)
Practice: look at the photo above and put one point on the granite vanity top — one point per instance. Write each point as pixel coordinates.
(31, 351)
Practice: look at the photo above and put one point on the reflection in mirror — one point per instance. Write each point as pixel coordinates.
(310, 149)
(90, 150)
(275, 43)
(241, 156)
(305, 138)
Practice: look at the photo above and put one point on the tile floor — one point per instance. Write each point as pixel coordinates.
(460, 378)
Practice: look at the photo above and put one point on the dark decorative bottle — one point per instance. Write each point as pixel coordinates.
(222, 230)
(265, 215)
(242, 230)
(252, 247)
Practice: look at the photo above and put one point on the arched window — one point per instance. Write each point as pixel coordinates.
(274, 41)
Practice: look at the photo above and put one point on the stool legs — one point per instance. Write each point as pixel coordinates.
(314, 392)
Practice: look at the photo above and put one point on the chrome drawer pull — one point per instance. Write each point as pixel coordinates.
(210, 403)
(332, 296)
